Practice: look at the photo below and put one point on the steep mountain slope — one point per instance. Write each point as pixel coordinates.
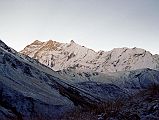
(24, 89)
(59, 56)
(113, 85)
(30, 90)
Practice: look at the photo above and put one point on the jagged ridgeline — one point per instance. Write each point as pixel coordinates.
(59, 56)
(30, 90)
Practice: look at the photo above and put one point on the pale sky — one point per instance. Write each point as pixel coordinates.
(96, 24)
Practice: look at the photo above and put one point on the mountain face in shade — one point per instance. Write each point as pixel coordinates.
(30, 90)
(27, 90)
(59, 56)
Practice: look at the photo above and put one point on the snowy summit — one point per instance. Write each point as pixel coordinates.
(60, 56)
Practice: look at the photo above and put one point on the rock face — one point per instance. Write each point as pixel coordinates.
(31, 91)
(59, 56)
(27, 90)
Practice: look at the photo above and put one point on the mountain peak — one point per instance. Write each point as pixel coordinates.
(72, 41)
(60, 56)
(51, 45)
(36, 42)
(51, 42)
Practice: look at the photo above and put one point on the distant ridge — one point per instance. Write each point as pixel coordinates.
(71, 55)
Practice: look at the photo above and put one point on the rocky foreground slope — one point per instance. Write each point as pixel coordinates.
(27, 90)
(30, 90)
(144, 105)
(59, 56)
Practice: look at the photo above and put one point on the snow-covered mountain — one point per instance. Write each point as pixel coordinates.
(31, 90)
(59, 56)
(28, 90)
(128, 69)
